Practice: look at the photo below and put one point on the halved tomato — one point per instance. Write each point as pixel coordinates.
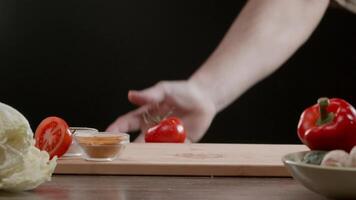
(53, 135)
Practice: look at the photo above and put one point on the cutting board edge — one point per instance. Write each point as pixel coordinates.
(188, 170)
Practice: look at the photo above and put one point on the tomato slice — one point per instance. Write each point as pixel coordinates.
(53, 135)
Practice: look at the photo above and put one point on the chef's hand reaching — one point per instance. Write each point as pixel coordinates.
(262, 38)
(182, 98)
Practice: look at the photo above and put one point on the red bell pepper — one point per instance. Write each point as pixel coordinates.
(328, 125)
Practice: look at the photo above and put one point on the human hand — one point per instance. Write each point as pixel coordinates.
(182, 98)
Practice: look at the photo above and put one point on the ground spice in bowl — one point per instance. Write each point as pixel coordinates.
(102, 146)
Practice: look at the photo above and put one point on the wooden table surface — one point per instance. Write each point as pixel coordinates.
(166, 187)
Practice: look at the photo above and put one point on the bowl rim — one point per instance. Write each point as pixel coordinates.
(125, 137)
(103, 134)
(300, 164)
(76, 128)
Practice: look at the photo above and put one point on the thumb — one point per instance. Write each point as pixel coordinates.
(152, 95)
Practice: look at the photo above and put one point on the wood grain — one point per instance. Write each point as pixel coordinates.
(172, 188)
(188, 159)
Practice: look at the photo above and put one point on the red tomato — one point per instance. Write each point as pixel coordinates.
(168, 130)
(53, 136)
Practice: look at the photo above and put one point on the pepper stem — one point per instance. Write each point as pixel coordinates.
(325, 116)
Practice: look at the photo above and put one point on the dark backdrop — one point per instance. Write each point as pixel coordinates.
(78, 59)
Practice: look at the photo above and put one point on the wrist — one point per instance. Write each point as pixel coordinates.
(206, 96)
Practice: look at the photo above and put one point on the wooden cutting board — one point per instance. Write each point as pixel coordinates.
(188, 159)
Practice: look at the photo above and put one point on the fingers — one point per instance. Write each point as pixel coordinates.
(132, 121)
(129, 122)
(140, 138)
(152, 95)
(148, 99)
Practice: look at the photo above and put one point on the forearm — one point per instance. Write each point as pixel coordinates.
(261, 39)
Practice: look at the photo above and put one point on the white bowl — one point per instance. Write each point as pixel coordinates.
(332, 182)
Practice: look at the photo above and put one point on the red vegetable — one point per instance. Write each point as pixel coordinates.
(328, 125)
(53, 135)
(168, 130)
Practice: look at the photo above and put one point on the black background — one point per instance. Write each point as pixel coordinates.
(78, 59)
